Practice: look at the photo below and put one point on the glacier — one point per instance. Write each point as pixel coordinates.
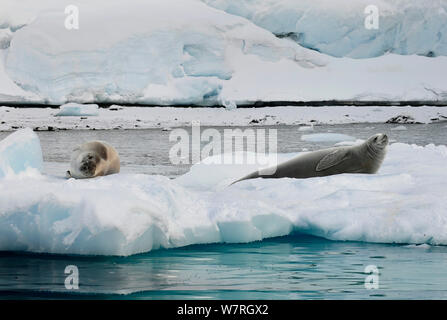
(216, 53)
(20, 153)
(153, 52)
(336, 28)
(126, 214)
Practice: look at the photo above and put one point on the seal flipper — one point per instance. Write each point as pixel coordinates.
(332, 159)
(252, 175)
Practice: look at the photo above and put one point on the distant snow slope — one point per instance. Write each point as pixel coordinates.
(125, 214)
(187, 52)
(337, 27)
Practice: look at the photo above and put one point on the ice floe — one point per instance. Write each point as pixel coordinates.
(125, 214)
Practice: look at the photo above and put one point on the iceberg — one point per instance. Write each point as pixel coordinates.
(306, 128)
(126, 214)
(76, 109)
(20, 152)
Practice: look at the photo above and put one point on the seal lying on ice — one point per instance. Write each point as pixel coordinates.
(363, 158)
(93, 159)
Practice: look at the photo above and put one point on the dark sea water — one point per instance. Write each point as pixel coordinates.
(292, 267)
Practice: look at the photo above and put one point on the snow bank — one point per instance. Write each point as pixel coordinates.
(337, 27)
(386, 78)
(20, 152)
(76, 109)
(127, 214)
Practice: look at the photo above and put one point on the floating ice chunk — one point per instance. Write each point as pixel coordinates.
(349, 143)
(329, 137)
(229, 104)
(399, 128)
(20, 151)
(424, 246)
(306, 128)
(77, 109)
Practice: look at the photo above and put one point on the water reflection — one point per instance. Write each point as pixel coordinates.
(292, 267)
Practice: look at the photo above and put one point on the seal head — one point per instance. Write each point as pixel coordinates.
(93, 159)
(88, 164)
(379, 141)
(375, 149)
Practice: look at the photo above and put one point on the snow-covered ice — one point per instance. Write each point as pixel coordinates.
(20, 152)
(125, 214)
(187, 52)
(77, 109)
(117, 117)
(399, 128)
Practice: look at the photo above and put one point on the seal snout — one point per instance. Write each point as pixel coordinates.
(380, 139)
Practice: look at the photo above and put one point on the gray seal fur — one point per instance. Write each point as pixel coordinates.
(93, 159)
(363, 158)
